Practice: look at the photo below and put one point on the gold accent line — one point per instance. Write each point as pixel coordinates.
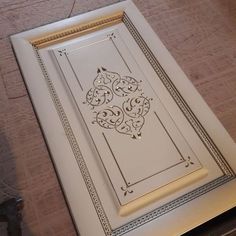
(78, 30)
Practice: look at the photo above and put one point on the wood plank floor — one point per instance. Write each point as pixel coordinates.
(201, 35)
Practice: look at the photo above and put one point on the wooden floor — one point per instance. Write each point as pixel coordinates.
(200, 34)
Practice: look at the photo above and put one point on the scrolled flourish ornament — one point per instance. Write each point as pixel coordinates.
(127, 118)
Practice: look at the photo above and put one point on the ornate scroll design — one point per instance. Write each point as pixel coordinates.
(127, 118)
(107, 84)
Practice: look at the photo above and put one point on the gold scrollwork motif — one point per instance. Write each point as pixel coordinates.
(128, 118)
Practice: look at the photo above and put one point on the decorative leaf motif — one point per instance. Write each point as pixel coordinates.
(126, 190)
(189, 162)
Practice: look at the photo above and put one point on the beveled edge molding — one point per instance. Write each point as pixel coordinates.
(78, 30)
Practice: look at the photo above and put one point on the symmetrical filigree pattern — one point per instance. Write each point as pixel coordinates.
(126, 118)
(107, 84)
